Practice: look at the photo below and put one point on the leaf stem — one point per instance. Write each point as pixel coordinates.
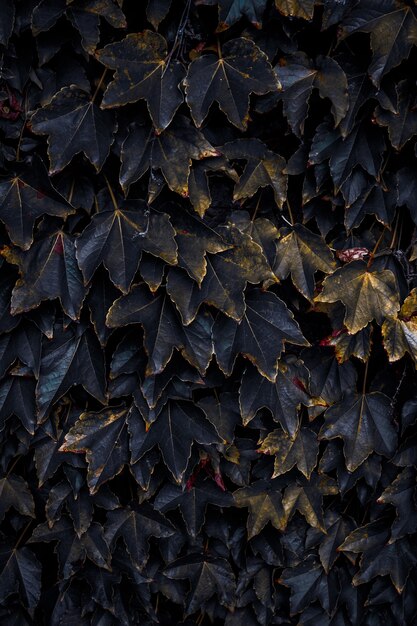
(371, 256)
(22, 534)
(112, 196)
(100, 82)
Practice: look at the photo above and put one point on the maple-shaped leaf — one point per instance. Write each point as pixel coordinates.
(79, 506)
(347, 345)
(283, 397)
(303, 9)
(223, 412)
(366, 294)
(373, 198)
(177, 426)
(308, 582)
(17, 397)
(261, 230)
(264, 500)
(399, 332)
(380, 558)
(328, 380)
(14, 492)
(360, 89)
(144, 71)
(260, 336)
(73, 550)
(100, 297)
(393, 29)
(363, 146)
(263, 168)
(208, 576)
(364, 422)
(338, 528)
(301, 253)
(401, 493)
(306, 496)
(27, 196)
(74, 123)
(198, 181)
(226, 276)
(48, 270)
(20, 571)
(156, 11)
(143, 149)
(136, 526)
(402, 125)
(163, 329)
(118, 237)
(228, 78)
(195, 238)
(23, 344)
(192, 502)
(72, 357)
(103, 437)
(298, 76)
(300, 450)
(231, 11)
(7, 22)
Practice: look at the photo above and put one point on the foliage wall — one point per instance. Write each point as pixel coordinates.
(208, 312)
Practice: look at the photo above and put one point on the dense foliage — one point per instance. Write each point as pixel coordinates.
(208, 312)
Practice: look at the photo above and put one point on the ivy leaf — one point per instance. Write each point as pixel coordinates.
(401, 493)
(400, 332)
(103, 437)
(136, 526)
(48, 270)
(143, 149)
(229, 79)
(337, 529)
(20, 571)
(300, 450)
(177, 426)
(17, 397)
(141, 306)
(299, 76)
(296, 8)
(366, 294)
(364, 422)
(263, 168)
(192, 502)
(306, 496)
(14, 492)
(283, 398)
(302, 253)
(72, 357)
(264, 500)
(27, 196)
(260, 336)
(117, 239)
(308, 582)
(223, 412)
(7, 22)
(329, 380)
(402, 125)
(144, 71)
(74, 123)
(208, 576)
(393, 29)
(231, 11)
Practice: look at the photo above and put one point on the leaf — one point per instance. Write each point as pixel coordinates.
(366, 294)
(364, 422)
(328, 380)
(283, 398)
(402, 125)
(74, 123)
(192, 502)
(193, 341)
(177, 426)
(20, 571)
(171, 151)
(267, 322)
(117, 239)
(48, 270)
(103, 437)
(223, 412)
(27, 196)
(400, 332)
(73, 550)
(302, 253)
(300, 450)
(208, 576)
(17, 397)
(306, 496)
(393, 29)
(401, 493)
(228, 79)
(296, 8)
(337, 529)
(144, 71)
(7, 22)
(298, 77)
(231, 11)
(264, 500)
(14, 492)
(136, 526)
(72, 357)
(156, 11)
(226, 276)
(263, 168)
